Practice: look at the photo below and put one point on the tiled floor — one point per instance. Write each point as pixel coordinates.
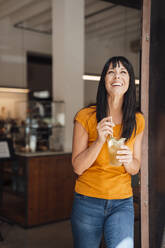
(56, 235)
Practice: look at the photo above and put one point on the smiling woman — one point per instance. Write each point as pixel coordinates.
(122, 106)
(103, 194)
(117, 80)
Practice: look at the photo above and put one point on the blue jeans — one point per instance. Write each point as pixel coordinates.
(93, 217)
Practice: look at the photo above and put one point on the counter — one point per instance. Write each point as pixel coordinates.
(40, 190)
(38, 154)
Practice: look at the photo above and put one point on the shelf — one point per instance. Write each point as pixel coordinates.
(46, 153)
(34, 127)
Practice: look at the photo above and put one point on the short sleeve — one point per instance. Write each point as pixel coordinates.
(140, 121)
(82, 118)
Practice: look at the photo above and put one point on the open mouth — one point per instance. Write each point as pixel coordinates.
(116, 84)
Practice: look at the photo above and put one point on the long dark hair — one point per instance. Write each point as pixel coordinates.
(129, 102)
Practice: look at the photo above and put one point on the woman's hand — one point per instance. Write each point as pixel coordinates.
(105, 128)
(125, 155)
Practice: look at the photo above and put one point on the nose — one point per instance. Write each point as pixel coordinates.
(117, 75)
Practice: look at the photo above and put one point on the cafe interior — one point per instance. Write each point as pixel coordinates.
(51, 58)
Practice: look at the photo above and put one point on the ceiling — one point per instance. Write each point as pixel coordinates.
(106, 20)
(136, 4)
(103, 19)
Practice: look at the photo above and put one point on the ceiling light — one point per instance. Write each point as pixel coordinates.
(91, 77)
(13, 90)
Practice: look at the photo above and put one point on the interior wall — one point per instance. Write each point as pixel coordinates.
(14, 43)
(90, 92)
(98, 51)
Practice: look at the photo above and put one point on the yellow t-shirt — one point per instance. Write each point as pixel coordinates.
(102, 180)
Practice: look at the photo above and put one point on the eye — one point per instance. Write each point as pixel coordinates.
(123, 72)
(110, 72)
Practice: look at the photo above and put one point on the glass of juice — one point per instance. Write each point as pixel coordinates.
(113, 146)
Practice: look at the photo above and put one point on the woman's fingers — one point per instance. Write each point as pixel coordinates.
(105, 128)
(124, 155)
(123, 152)
(107, 120)
(108, 132)
(106, 125)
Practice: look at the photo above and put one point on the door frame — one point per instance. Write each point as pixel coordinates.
(146, 13)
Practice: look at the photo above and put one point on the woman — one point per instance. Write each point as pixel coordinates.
(103, 202)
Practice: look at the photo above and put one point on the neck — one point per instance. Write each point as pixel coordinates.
(115, 102)
(115, 108)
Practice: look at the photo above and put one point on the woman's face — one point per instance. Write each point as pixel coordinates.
(117, 80)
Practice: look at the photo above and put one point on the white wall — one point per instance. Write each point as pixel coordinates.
(14, 43)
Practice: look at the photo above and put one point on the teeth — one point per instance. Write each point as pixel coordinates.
(116, 84)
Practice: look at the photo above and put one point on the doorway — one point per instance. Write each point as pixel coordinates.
(113, 28)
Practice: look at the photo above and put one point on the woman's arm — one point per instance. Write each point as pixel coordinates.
(131, 160)
(84, 156)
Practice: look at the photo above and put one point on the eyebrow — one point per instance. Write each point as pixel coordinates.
(122, 68)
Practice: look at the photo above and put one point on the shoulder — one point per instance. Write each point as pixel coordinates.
(84, 115)
(86, 112)
(140, 122)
